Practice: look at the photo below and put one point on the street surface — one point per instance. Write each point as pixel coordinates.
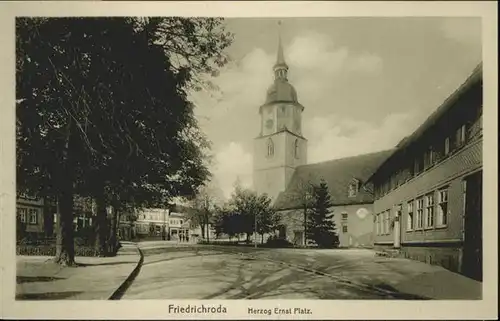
(220, 272)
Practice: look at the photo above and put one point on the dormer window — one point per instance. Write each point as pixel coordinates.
(353, 187)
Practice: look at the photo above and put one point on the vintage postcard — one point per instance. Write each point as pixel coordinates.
(291, 160)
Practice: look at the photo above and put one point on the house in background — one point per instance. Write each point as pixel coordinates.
(428, 194)
(151, 222)
(31, 213)
(182, 228)
(352, 200)
(174, 221)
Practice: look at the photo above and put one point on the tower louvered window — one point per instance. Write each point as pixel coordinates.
(270, 148)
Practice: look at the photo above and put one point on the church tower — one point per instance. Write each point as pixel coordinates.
(280, 147)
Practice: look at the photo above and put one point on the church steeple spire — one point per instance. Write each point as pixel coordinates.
(280, 67)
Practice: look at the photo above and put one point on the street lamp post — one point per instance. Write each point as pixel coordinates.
(163, 236)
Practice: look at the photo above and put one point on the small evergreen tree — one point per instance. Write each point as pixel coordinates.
(320, 224)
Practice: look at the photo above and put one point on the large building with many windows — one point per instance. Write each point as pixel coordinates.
(428, 193)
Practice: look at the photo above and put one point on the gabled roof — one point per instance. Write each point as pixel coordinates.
(280, 59)
(440, 113)
(338, 174)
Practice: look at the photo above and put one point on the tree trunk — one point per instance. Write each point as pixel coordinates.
(101, 231)
(207, 229)
(113, 244)
(262, 239)
(65, 247)
(202, 226)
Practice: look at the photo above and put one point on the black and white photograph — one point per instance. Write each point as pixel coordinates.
(176, 157)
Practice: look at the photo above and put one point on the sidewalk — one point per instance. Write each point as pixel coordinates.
(94, 279)
(421, 279)
(146, 245)
(434, 282)
(408, 277)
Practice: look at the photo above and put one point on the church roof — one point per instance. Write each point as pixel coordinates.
(281, 91)
(338, 174)
(280, 60)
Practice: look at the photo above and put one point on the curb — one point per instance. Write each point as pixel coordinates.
(118, 293)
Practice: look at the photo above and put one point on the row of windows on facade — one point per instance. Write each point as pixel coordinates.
(430, 157)
(420, 213)
(28, 214)
(146, 228)
(344, 224)
(159, 217)
(270, 148)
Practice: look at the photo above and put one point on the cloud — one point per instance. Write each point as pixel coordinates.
(336, 137)
(232, 162)
(317, 53)
(463, 30)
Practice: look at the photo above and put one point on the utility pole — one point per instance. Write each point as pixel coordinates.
(305, 223)
(307, 196)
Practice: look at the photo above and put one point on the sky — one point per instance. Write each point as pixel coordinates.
(365, 83)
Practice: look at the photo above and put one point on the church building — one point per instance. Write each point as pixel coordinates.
(281, 170)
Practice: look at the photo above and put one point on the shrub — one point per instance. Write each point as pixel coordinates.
(85, 236)
(276, 242)
(218, 242)
(35, 239)
(50, 250)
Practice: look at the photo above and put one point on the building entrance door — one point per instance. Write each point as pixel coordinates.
(473, 227)
(298, 237)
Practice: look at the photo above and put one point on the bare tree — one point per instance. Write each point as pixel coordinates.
(203, 208)
(301, 196)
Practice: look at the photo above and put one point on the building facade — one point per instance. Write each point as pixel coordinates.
(151, 222)
(428, 194)
(351, 199)
(280, 147)
(31, 214)
(173, 221)
(39, 215)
